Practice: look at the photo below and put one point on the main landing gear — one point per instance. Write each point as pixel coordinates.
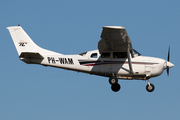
(115, 86)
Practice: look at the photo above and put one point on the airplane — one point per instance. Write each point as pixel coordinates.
(115, 57)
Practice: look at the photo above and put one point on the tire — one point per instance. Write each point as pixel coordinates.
(115, 87)
(113, 80)
(150, 88)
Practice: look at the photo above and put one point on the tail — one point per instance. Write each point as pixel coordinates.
(25, 47)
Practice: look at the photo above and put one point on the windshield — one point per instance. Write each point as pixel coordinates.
(135, 53)
(83, 54)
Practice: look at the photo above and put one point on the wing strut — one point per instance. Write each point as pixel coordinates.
(129, 58)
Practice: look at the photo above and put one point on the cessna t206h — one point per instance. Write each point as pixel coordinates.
(115, 57)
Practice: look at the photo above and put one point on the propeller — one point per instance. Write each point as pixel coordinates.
(167, 67)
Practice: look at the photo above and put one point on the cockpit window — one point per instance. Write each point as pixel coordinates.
(94, 55)
(83, 54)
(105, 55)
(119, 54)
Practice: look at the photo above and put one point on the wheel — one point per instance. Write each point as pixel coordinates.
(116, 87)
(150, 88)
(113, 80)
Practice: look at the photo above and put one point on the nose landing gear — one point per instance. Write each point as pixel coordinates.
(150, 87)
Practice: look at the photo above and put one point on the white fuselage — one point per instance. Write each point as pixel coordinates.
(143, 67)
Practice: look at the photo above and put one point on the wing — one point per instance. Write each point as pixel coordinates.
(114, 38)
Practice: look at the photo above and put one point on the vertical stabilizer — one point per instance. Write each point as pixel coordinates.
(24, 43)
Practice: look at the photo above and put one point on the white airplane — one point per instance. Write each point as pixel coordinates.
(115, 57)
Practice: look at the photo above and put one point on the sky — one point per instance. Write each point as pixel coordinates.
(34, 92)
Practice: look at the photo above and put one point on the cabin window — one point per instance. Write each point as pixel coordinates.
(105, 55)
(119, 54)
(94, 55)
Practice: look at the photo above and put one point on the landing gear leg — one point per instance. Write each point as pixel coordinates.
(114, 84)
(150, 87)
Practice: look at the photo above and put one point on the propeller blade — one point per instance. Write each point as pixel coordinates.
(168, 53)
(167, 70)
(167, 67)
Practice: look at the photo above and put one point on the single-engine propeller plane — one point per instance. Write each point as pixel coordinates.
(115, 57)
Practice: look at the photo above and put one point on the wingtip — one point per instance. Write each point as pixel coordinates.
(114, 27)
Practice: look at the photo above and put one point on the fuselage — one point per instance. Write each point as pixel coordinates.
(93, 62)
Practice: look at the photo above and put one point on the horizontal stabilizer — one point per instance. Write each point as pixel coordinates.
(30, 55)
